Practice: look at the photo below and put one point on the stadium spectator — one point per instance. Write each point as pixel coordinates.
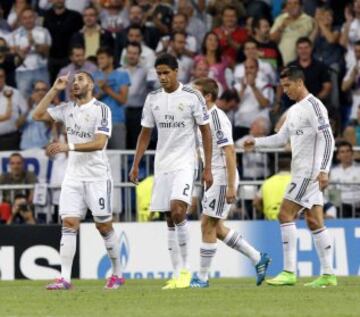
(347, 171)
(178, 25)
(256, 96)
(114, 16)
(268, 50)
(317, 75)
(266, 71)
(10, 98)
(32, 43)
(177, 48)
(137, 93)
(16, 176)
(8, 62)
(211, 53)
(352, 131)
(14, 16)
(21, 212)
(268, 199)
(35, 134)
(351, 81)
(92, 36)
(4, 26)
(216, 8)
(77, 63)
(350, 33)
(147, 58)
(289, 27)
(62, 25)
(327, 49)
(112, 87)
(231, 35)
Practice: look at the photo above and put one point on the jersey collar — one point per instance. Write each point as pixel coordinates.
(86, 104)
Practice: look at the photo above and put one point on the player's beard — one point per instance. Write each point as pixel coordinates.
(82, 93)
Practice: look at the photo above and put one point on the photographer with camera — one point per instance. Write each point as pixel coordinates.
(21, 212)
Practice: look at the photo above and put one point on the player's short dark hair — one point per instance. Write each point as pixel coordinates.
(105, 50)
(343, 143)
(87, 74)
(302, 40)
(168, 60)
(293, 73)
(230, 94)
(208, 86)
(135, 44)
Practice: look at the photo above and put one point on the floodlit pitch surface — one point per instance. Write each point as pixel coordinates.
(144, 298)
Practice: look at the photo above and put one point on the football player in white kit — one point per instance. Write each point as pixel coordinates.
(312, 143)
(176, 111)
(87, 183)
(217, 200)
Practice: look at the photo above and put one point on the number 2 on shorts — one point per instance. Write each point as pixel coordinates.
(185, 191)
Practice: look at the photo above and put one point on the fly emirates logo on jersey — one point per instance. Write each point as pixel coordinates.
(76, 130)
(170, 123)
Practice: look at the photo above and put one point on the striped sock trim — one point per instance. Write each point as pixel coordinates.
(108, 235)
(68, 231)
(317, 231)
(181, 224)
(287, 224)
(171, 228)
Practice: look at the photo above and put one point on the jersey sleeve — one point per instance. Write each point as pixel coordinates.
(223, 135)
(58, 112)
(147, 118)
(319, 120)
(103, 123)
(199, 110)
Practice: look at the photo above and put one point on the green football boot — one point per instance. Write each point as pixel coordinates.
(323, 281)
(284, 278)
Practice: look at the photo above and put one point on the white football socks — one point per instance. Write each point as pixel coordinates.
(288, 237)
(67, 251)
(173, 251)
(207, 253)
(182, 233)
(324, 248)
(235, 241)
(113, 249)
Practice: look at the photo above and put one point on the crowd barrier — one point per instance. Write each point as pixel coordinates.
(32, 251)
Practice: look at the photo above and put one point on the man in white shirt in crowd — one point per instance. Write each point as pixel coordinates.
(13, 111)
(256, 97)
(32, 43)
(87, 183)
(347, 171)
(176, 111)
(312, 143)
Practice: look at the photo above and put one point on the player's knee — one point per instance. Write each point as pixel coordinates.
(284, 216)
(221, 231)
(313, 223)
(169, 220)
(104, 228)
(178, 213)
(208, 225)
(72, 223)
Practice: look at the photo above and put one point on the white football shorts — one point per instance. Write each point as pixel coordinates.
(78, 196)
(305, 192)
(174, 185)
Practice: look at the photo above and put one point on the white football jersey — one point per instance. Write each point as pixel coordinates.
(82, 123)
(176, 116)
(312, 142)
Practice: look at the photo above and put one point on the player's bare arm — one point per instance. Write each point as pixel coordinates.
(96, 145)
(230, 159)
(141, 146)
(40, 112)
(207, 144)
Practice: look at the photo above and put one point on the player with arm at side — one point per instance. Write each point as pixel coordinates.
(87, 183)
(218, 199)
(176, 111)
(312, 143)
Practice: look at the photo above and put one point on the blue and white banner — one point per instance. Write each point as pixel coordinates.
(143, 249)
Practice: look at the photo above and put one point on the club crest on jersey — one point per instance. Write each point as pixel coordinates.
(219, 134)
(104, 122)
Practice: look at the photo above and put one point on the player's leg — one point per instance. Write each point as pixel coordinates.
(207, 251)
(287, 215)
(173, 245)
(72, 208)
(315, 221)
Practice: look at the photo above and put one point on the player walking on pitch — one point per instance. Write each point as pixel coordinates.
(218, 199)
(87, 182)
(312, 143)
(176, 111)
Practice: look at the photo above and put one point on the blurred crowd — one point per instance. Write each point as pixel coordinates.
(242, 44)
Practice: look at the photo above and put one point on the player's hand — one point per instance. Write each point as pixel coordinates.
(230, 194)
(207, 178)
(8, 93)
(323, 179)
(61, 82)
(55, 148)
(249, 144)
(134, 175)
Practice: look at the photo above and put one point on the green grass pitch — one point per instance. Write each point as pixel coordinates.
(144, 298)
